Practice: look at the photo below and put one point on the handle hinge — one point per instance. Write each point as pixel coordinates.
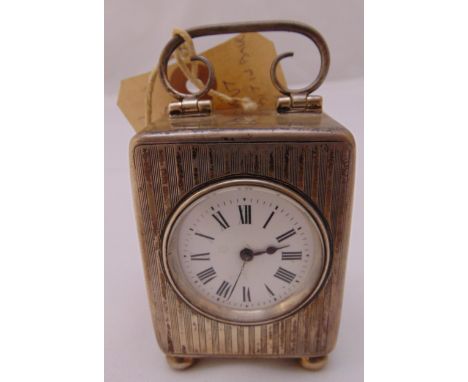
(189, 107)
(299, 103)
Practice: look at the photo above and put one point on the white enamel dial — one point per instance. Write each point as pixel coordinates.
(246, 250)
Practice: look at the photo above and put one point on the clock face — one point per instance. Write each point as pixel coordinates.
(246, 251)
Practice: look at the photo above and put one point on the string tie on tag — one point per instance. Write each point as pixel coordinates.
(189, 68)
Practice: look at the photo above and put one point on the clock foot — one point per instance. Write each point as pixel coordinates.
(313, 363)
(179, 363)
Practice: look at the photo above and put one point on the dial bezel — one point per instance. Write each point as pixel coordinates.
(292, 304)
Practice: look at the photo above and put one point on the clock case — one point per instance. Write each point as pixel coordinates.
(298, 146)
(310, 153)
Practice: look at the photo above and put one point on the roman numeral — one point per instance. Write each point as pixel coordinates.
(200, 256)
(269, 290)
(291, 255)
(246, 294)
(207, 275)
(286, 235)
(220, 219)
(223, 289)
(245, 214)
(205, 236)
(285, 275)
(268, 220)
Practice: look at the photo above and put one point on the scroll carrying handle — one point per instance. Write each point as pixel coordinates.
(270, 26)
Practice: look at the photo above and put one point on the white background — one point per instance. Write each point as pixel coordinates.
(135, 35)
(51, 198)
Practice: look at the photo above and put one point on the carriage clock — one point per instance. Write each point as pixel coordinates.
(244, 219)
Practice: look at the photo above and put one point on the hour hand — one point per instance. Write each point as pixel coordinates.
(270, 250)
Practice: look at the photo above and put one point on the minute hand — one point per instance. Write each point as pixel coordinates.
(270, 250)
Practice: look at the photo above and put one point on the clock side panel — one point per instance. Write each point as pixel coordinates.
(163, 174)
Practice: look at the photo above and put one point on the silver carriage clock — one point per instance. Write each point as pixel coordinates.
(244, 220)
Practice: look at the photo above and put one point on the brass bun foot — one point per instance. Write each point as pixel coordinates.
(313, 363)
(179, 363)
